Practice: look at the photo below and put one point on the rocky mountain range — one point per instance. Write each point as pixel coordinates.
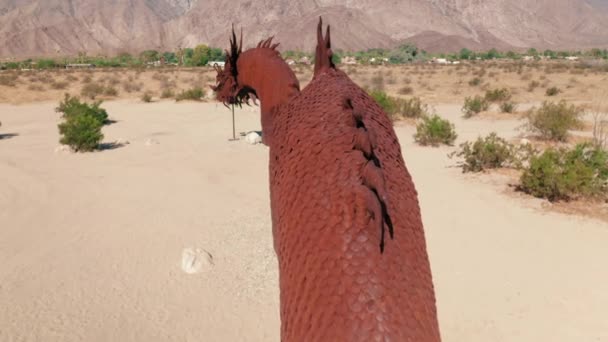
(31, 28)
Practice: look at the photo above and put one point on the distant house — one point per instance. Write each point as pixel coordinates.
(528, 58)
(441, 61)
(218, 63)
(572, 58)
(79, 66)
(290, 61)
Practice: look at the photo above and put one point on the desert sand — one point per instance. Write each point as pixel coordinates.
(91, 244)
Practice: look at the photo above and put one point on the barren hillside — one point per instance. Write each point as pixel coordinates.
(59, 27)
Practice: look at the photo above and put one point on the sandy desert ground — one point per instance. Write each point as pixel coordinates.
(91, 245)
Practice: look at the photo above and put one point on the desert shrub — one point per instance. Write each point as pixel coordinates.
(533, 85)
(498, 95)
(131, 86)
(553, 120)
(508, 107)
(35, 87)
(81, 129)
(552, 91)
(475, 82)
(72, 106)
(92, 90)
(411, 108)
(195, 94)
(600, 129)
(407, 90)
(434, 131)
(474, 105)
(59, 85)
(81, 132)
(378, 81)
(9, 80)
(562, 174)
(490, 152)
(146, 97)
(87, 79)
(386, 102)
(110, 91)
(166, 94)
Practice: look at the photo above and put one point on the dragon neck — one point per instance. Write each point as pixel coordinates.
(265, 73)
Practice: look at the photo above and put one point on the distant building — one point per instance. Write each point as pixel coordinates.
(441, 61)
(79, 66)
(218, 63)
(572, 58)
(528, 58)
(290, 61)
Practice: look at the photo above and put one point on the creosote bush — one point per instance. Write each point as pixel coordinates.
(491, 152)
(434, 131)
(195, 94)
(398, 108)
(552, 91)
(474, 105)
(508, 107)
(146, 97)
(498, 95)
(81, 129)
(552, 121)
(566, 174)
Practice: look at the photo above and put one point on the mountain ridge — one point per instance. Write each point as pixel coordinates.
(57, 27)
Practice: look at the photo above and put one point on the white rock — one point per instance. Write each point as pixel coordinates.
(121, 141)
(63, 148)
(196, 260)
(524, 142)
(253, 138)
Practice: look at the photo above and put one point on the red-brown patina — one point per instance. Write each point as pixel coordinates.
(353, 264)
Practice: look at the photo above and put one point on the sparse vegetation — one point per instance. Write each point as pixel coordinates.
(92, 90)
(434, 131)
(146, 97)
(552, 91)
(195, 94)
(166, 94)
(490, 152)
(498, 95)
(508, 107)
(474, 105)
(565, 174)
(475, 82)
(552, 121)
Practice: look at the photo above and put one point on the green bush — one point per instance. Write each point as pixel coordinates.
(72, 107)
(146, 97)
(490, 152)
(562, 174)
(81, 132)
(81, 129)
(167, 93)
(475, 82)
(433, 131)
(498, 95)
(411, 108)
(474, 105)
(508, 107)
(553, 120)
(386, 102)
(195, 94)
(552, 91)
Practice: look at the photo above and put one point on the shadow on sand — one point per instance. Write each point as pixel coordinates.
(8, 135)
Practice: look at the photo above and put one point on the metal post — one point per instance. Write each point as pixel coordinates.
(233, 126)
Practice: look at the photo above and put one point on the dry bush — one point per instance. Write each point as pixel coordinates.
(59, 85)
(92, 90)
(35, 87)
(552, 121)
(9, 80)
(407, 90)
(533, 85)
(71, 78)
(130, 87)
(378, 81)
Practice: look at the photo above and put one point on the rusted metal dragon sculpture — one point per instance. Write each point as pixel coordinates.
(348, 235)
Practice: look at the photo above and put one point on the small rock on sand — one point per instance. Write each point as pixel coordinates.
(196, 260)
(253, 138)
